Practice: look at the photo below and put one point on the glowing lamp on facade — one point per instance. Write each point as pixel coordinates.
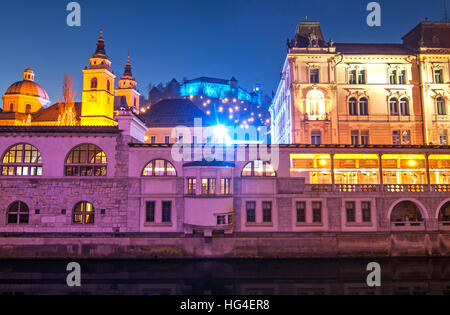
(323, 162)
(208, 112)
(412, 163)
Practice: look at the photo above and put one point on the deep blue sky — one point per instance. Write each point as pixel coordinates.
(184, 38)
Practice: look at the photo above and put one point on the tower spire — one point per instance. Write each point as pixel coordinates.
(128, 72)
(100, 52)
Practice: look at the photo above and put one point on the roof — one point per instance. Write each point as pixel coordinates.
(27, 87)
(59, 129)
(372, 49)
(303, 35)
(173, 113)
(315, 146)
(429, 34)
(212, 163)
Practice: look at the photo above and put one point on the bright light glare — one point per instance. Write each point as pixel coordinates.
(221, 134)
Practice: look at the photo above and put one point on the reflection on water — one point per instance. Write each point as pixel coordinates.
(229, 277)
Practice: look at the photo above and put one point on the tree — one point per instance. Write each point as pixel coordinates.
(67, 115)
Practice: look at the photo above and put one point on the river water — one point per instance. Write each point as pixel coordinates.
(227, 277)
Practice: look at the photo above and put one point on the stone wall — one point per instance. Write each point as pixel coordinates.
(280, 245)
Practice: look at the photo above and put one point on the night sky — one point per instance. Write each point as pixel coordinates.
(184, 38)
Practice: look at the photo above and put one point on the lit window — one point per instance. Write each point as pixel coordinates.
(83, 213)
(18, 213)
(22, 160)
(86, 160)
(159, 168)
(192, 186)
(441, 109)
(208, 186)
(225, 186)
(315, 105)
(258, 169)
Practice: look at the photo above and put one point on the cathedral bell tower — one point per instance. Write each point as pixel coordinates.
(127, 95)
(98, 89)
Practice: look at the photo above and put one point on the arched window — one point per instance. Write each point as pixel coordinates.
(22, 160)
(315, 105)
(444, 214)
(83, 213)
(393, 104)
(440, 103)
(18, 213)
(159, 168)
(108, 85)
(86, 160)
(28, 109)
(406, 213)
(353, 107)
(94, 83)
(258, 169)
(363, 107)
(11, 107)
(404, 107)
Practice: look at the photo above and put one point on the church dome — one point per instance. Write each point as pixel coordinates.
(28, 87)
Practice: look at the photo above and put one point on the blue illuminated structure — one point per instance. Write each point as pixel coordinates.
(219, 88)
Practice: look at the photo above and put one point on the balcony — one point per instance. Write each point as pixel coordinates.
(324, 117)
(374, 188)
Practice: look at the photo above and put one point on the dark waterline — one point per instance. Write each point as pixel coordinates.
(227, 277)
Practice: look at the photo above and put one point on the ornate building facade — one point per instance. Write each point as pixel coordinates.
(339, 93)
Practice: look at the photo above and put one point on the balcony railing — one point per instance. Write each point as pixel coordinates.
(373, 188)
